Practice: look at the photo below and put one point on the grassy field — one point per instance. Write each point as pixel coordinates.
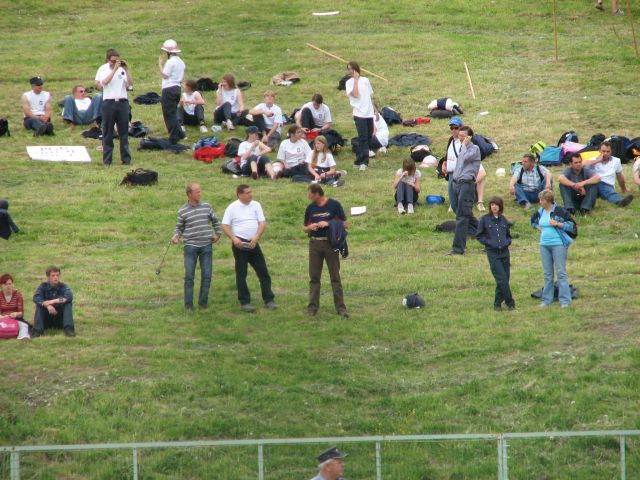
(143, 369)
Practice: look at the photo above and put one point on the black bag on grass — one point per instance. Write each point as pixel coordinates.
(140, 176)
(231, 167)
(231, 147)
(4, 127)
(205, 84)
(574, 292)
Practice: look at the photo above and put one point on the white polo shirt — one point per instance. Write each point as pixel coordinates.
(607, 171)
(275, 118)
(324, 161)
(116, 89)
(293, 153)
(362, 105)
(174, 70)
(321, 116)
(243, 219)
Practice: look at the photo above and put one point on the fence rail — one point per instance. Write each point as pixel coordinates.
(501, 439)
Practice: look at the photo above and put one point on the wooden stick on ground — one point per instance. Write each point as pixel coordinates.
(633, 29)
(473, 94)
(344, 61)
(555, 29)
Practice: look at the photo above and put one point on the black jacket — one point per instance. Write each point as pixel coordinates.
(6, 222)
(493, 232)
(338, 237)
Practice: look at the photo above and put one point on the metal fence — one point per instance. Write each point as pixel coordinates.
(502, 443)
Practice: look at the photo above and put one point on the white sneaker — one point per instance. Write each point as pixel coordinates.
(203, 129)
(343, 173)
(382, 150)
(401, 209)
(410, 208)
(183, 129)
(372, 154)
(249, 117)
(230, 125)
(362, 167)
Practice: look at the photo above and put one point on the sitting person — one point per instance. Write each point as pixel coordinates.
(36, 107)
(528, 180)
(12, 304)
(380, 138)
(322, 165)
(6, 222)
(407, 186)
(229, 110)
(78, 109)
(608, 168)
(314, 116)
(191, 107)
(53, 300)
(636, 171)
(267, 116)
(252, 153)
(578, 187)
(293, 152)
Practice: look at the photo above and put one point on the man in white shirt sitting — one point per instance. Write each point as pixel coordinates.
(609, 168)
(36, 107)
(78, 109)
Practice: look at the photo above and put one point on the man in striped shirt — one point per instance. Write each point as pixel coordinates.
(194, 225)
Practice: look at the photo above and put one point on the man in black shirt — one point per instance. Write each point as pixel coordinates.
(578, 186)
(316, 224)
(53, 300)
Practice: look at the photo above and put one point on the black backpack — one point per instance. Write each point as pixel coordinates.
(342, 84)
(231, 147)
(391, 116)
(570, 136)
(140, 176)
(619, 145)
(206, 85)
(231, 166)
(4, 127)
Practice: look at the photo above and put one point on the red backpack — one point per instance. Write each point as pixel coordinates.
(9, 327)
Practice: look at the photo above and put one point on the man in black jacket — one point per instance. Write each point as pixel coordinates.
(53, 300)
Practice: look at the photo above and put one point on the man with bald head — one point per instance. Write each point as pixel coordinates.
(195, 219)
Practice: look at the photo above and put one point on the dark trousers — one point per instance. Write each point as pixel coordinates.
(500, 264)
(115, 114)
(307, 120)
(196, 119)
(405, 194)
(466, 223)
(62, 319)
(255, 258)
(258, 121)
(300, 169)
(572, 200)
(169, 100)
(319, 252)
(261, 163)
(375, 144)
(364, 126)
(223, 112)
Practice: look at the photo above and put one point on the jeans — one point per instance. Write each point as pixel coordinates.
(255, 258)
(223, 113)
(500, 264)
(115, 113)
(169, 101)
(319, 252)
(62, 319)
(405, 194)
(71, 113)
(453, 200)
(196, 119)
(608, 192)
(573, 201)
(364, 126)
(191, 256)
(523, 196)
(466, 223)
(258, 121)
(555, 257)
(33, 123)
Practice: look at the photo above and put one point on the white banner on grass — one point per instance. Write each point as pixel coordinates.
(62, 153)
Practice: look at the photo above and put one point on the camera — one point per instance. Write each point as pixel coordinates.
(123, 64)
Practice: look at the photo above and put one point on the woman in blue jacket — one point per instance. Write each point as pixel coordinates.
(554, 224)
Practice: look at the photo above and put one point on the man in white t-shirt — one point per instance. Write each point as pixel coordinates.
(172, 72)
(314, 116)
(360, 95)
(608, 168)
(267, 116)
(78, 109)
(244, 223)
(36, 107)
(113, 78)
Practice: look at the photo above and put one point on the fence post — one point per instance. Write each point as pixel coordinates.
(623, 460)
(378, 461)
(260, 463)
(500, 476)
(15, 466)
(505, 460)
(135, 464)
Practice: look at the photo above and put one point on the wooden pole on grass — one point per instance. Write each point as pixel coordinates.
(633, 29)
(344, 61)
(466, 69)
(555, 29)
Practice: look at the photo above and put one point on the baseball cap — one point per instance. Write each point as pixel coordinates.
(455, 121)
(331, 454)
(36, 81)
(252, 129)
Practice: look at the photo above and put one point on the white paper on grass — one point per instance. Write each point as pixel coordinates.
(325, 14)
(358, 210)
(59, 153)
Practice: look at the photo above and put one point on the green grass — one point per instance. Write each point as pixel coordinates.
(142, 369)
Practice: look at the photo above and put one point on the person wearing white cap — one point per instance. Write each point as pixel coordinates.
(172, 71)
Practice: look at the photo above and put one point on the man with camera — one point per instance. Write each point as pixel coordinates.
(244, 223)
(113, 78)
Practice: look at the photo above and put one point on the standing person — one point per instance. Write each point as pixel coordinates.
(53, 300)
(406, 184)
(230, 105)
(194, 224)
(191, 107)
(493, 233)
(464, 180)
(12, 305)
(244, 223)
(615, 7)
(578, 186)
(267, 116)
(293, 152)
(553, 222)
(317, 217)
(7, 225)
(253, 156)
(360, 95)
(36, 107)
(609, 168)
(330, 464)
(172, 72)
(113, 78)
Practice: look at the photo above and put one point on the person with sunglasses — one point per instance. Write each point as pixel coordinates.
(80, 109)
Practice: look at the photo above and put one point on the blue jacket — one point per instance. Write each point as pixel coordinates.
(493, 232)
(559, 214)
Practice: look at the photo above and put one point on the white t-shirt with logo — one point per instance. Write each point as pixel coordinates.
(362, 105)
(293, 153)
(275, 118)
(382, 131)
(607, 171)
(243, 148)
(321, 116)
(325, 161)
(189, 108)
(116, 89)
(37, 102)
(244, 219)
(174, 70)
(231, 95)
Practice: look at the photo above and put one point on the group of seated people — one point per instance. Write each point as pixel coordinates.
(53, 302)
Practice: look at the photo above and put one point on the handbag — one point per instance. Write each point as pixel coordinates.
(9, 327)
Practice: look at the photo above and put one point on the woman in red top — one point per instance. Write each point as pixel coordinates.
(11, 302)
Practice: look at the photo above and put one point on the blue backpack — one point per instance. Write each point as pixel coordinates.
(550, 156)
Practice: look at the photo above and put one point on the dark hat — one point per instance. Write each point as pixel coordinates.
(414, 300)
(331, 454)
(252, 129)
(36, 81)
